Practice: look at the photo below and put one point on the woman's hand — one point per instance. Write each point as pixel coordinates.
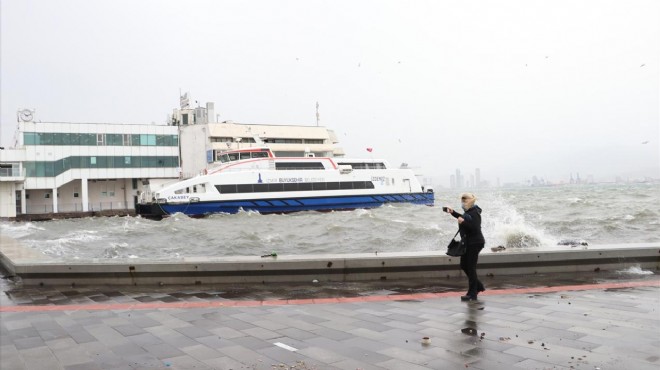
(460, 220)
(450, 210)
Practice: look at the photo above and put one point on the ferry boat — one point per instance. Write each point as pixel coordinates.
(254, 179)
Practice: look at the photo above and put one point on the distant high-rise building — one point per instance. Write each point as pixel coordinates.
(459, 179)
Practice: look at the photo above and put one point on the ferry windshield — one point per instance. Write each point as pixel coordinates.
(230, 157)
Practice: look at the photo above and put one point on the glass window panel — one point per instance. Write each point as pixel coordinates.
(58, 167)
(92, 161)
(49, 169)
(46, 139)
(30, 138)
(304, 186)
(275, 187)
(135, 140)
(88, 139)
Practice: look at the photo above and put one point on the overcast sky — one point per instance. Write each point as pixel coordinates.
(517, 88)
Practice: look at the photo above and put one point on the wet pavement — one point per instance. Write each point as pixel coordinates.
(558, 321)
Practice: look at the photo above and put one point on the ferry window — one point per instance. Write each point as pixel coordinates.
(259, 154)
(359, 185)
(227, 189)
(187, 190)
(345, 185)
(275, 187)
(245, 155)
(244, 188)
(233, 156)
(260, 188)
(180, 191)
(299, 166)
(290, 187)
(194, 188)
(319, 186)
(370, 184)
(304, 186)
(224, 158)
(333, 185)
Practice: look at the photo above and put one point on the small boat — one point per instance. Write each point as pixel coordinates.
(254, 179)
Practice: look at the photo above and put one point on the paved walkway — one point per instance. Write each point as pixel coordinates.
(611, 325)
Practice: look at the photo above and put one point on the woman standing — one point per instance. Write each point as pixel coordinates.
(469, 226)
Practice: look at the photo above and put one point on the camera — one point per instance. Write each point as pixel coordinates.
(444, 209)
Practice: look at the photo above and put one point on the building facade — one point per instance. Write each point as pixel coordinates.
(81, 167)
(203, 139)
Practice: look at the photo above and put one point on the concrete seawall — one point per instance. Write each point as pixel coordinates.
(34, 268)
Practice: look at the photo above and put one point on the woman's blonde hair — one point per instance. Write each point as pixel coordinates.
(469, 199)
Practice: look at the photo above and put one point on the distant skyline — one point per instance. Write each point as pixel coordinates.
(516, 88)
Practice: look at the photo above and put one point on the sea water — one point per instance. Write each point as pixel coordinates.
(521, 218)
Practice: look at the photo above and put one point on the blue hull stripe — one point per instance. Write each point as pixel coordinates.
(297, 204)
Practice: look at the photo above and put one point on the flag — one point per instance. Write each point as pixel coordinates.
(370, 149)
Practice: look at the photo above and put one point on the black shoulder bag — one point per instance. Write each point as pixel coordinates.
(456, 248)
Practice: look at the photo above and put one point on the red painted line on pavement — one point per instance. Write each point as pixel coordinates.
(284, 302)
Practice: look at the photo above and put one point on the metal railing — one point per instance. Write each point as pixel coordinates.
(78, 207)
(12, 172)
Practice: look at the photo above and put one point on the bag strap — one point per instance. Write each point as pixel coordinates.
(459, 230)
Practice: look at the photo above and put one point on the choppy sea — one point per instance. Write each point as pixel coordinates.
(521, 218)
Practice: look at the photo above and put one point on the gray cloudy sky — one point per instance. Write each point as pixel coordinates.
(517, 88)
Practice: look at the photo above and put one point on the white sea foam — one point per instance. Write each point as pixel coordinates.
(18, 229)
(635, 270)
(506, 226)
(628, 217)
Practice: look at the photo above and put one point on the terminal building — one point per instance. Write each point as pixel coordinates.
(58, 167)
(83, 167)
(203, 139)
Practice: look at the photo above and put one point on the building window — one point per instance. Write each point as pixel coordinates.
(127, 161)
(27, 195)
(126, 139)
(134, 184)
(47, 196)
(314, 141)
(100, 139)
(30, 138)
(92, 161)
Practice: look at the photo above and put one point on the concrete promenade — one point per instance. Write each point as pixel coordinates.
(586, 322)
